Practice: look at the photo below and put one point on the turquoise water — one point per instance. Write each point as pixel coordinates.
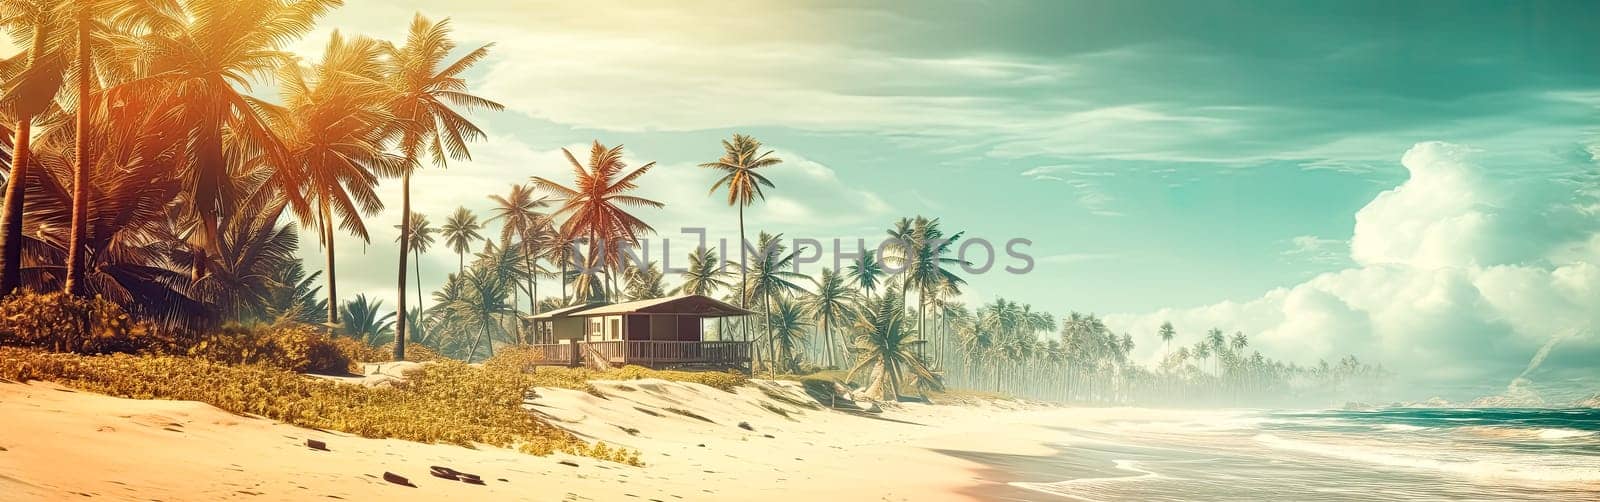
(1335, 455)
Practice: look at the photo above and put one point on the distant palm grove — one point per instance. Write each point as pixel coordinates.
(146, 166)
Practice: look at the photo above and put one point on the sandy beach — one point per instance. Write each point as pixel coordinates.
(754, 444)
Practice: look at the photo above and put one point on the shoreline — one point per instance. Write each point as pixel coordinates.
(697, 443)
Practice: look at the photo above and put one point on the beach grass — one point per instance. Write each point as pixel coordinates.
(446, 402)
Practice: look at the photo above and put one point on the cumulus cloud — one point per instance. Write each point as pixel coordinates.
(1460, 277)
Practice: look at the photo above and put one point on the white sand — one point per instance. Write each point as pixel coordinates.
(60, 444)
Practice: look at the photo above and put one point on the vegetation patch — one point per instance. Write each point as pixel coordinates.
(449, 402)
(523, 359)
(62, 322)
(297, 348)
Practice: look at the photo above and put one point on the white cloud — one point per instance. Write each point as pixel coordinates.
(1317, 249)
(1453, 283)
(1088, 192)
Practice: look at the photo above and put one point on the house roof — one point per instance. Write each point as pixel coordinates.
(565, 311)
(698, 305)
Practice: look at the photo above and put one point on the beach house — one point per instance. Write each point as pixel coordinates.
(661, 332)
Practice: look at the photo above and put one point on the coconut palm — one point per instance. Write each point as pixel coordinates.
(705, 274)
(829, 304)
(594, 205)
(788, 326)
(643, 283)
(91, 22)
(460, 232)
(365, 320)
(295, 297)
(866, 272)
(204, 65)
(426, 94)
(772, 276)
(1167, 333)
(419, 238)
(920, 247)
(884, 340)
(29, 82)
(331, 128)
(481, 308)
(132, 240)
(521, 220)
(741, 160)
(1218, 343)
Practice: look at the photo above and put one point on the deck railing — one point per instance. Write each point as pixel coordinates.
(554, 353)
(657, 352)
(644, 352)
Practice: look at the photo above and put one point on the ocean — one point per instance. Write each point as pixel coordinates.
(1333, 455)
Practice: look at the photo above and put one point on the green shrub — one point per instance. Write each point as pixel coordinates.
(521, 360)
(415, 352)
(448, 402)
(299, 348)
(66, 323)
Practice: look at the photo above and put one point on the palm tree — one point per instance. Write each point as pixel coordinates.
(1167, 333)
(32, 80)
(741, 158)
(521, 220)
(920, 249)
(460, 232)
(829, 304)
(788, 325)
(865, 272)
(204, 64)
(705, 275)
(594, 205)
(296, 297)
(425, 90)
(365, 320)
(643, 284)
(331, 122)
(884, 340)
(481, 307)
(772, 276)
(418, 239)
(1219, 344)
(90, 22)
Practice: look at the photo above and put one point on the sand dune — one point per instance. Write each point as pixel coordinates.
(63, 444)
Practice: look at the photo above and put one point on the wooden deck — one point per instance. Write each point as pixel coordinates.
(646, 353)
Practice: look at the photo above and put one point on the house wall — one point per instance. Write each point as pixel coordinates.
(569, 328)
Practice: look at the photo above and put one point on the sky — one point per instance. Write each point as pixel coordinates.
(1410, 183)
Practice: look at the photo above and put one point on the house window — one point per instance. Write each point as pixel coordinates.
(595, 326)
(614, 328)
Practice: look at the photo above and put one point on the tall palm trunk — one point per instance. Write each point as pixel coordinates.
(333, 283)
(533, 282)
(743, 299)
(405, 242)
(416, 268)
(80, 176)
(11, 218)
(11, 249)
(772, 340)
(827, 338)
